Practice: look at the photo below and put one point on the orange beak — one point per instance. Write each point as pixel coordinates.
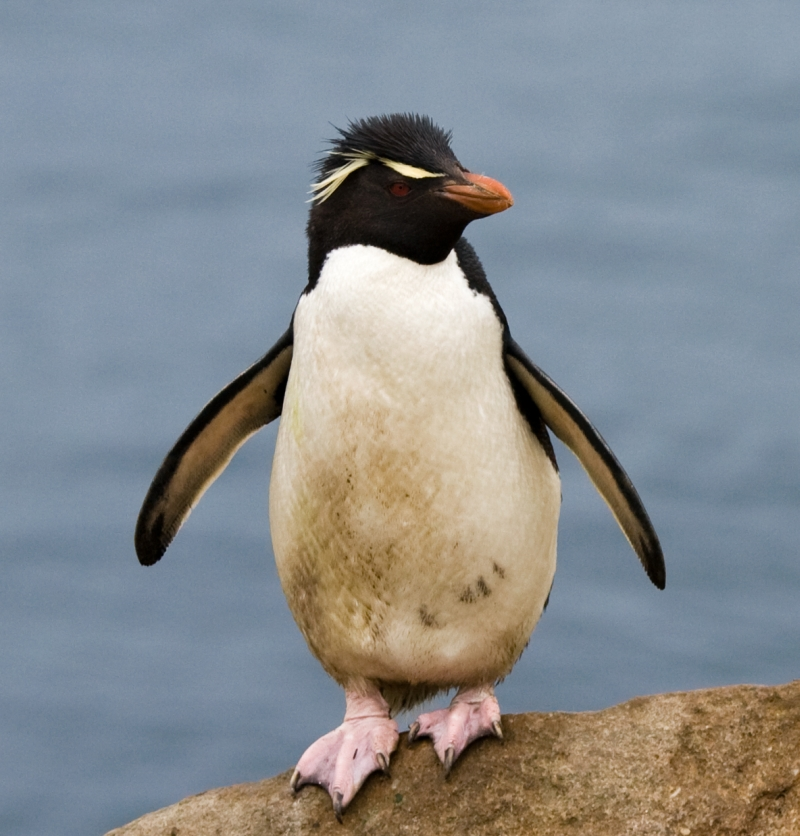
(481, 194)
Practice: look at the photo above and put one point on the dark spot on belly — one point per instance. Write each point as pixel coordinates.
(473, 593)
(498, 570)
(426, 617)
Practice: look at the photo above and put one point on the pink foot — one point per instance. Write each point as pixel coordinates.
(343, 759)
(473, 713)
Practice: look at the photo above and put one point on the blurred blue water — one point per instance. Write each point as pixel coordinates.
(154, 162)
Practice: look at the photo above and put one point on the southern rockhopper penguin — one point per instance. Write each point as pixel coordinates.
(414, 497)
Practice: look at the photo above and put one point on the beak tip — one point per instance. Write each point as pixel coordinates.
(481, 194)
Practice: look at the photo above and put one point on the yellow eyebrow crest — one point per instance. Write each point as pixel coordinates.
(325, 188)
(409, 170)
(322, 190)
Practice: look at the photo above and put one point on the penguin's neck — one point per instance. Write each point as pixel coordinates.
(371, 309)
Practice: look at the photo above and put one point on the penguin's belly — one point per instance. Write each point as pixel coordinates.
(413, 513)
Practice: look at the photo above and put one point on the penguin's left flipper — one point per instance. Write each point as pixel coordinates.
(573, 428)
(207, 445)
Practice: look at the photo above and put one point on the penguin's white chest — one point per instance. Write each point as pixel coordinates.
(413, 513)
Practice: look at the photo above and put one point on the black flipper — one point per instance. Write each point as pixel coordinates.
(572, 427)
(203, 451)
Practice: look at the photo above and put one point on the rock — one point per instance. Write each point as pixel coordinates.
(724, 761)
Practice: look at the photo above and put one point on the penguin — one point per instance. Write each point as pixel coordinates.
(415, 494)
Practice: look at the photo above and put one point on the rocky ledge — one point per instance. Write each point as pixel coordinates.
(719, 762)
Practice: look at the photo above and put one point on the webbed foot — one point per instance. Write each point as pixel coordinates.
(343, 759)
(473, 713)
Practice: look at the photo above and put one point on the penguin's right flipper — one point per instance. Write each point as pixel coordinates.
(612, 482)
(207, 445)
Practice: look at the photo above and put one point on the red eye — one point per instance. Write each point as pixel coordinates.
(399, 189)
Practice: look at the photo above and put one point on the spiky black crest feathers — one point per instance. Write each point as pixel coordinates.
(405, 138)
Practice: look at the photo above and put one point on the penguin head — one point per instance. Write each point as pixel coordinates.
(394, 182)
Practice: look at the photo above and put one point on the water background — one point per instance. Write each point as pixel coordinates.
(154, 163)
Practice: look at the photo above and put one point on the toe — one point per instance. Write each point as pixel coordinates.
(343, 759)
(449, 759)
(471, 715)
(338, 807)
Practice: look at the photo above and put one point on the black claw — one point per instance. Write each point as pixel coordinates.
(337, 806)
(449, 758)
(413, 731)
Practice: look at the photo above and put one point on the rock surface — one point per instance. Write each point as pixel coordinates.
(724, 762)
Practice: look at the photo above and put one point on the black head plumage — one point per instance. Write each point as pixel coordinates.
(401, 137)
(393, 182)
